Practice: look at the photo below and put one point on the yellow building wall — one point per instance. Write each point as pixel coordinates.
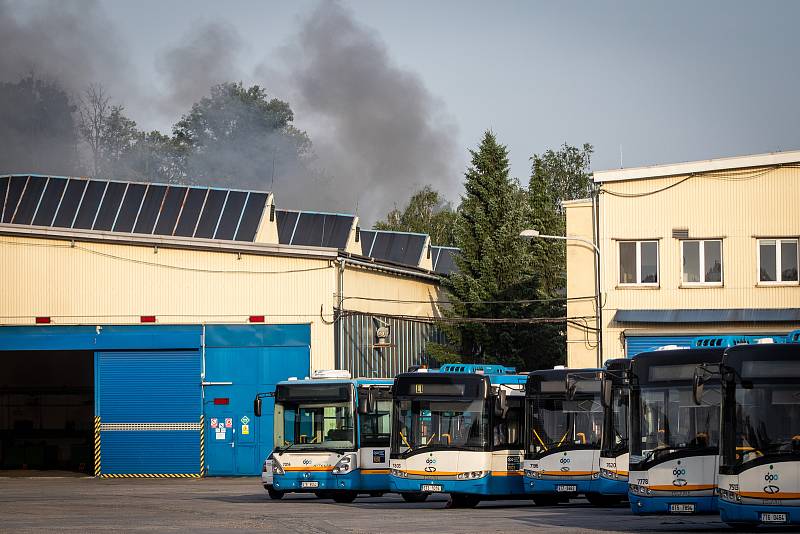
(736, 206)
(98, 283)
(370, 291)
(582, 335)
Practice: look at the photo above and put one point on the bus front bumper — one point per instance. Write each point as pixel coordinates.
(559, 486)
(668, 505)
(607, 486)
(488, 485)
(751, 513)
(317, 481)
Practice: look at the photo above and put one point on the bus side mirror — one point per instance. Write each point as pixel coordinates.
(571, 385)
(501, 404)
(697, 386)
(257, 406)
(366, 401)
(605, 392)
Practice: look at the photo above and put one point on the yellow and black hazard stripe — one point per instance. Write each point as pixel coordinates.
(97, 470)
(151, 475)
(202, 447)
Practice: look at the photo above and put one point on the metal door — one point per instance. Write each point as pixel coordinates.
(147, 406)
(233, 376)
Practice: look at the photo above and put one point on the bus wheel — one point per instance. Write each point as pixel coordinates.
(322, 495)
(597, 499)
(344, 497)
(545, 500)
(376, 494)
(275, 494)
(463, 500)
(742, 526)
(414, 497)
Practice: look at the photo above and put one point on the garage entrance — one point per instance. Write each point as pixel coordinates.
(47, 410)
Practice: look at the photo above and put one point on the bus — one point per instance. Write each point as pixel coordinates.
(458, 430)
(759, 467)
(331, 435)
(673, 441)
(615, 391)
(562, 439)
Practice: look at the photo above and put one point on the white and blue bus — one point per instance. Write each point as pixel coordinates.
(562, 439)
(615, 390)
(759, 467)
(331, 436)
(674, 441)
(458, 430)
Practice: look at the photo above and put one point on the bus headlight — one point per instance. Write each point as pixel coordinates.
(471, 475)
(605, 473)
(398, 473)
(530, 473)
(345, 464)
(277, 469)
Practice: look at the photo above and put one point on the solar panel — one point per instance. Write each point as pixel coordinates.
(50, 200)
(32, 193)
(251, 217)
(191, 212)
(314, 229)
(110, 206)
(131, 203)
(398, 247)
(126, 207)
(444, 259)
(367, 240)
(286, 221)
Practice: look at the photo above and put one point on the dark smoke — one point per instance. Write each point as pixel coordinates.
(205, 57)
(376, 128)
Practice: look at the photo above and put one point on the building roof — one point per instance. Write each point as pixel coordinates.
(690, 167)
(443, 259)
(735, 315)
(314, 228)
(131, 207)
(399, 247)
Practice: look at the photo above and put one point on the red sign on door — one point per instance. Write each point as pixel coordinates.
(228, 422)
(214, 422)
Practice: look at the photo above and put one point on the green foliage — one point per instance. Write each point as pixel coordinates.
(37, 128)
(496, 271)
(426, 213)
(239, 135)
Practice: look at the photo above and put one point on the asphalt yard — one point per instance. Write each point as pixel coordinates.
(224, 504)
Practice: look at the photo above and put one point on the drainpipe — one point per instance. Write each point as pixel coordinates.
(597, 287)
(340, 303)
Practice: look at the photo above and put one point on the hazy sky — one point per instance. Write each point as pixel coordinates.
(656, 82)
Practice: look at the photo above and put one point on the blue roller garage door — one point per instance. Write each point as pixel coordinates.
(148, 405)
(636, 344)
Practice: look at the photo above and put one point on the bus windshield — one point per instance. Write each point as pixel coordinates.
(314, 426)
(767, 423)
(456, 424)
(669, 420)
(615, 430)
(557, 422)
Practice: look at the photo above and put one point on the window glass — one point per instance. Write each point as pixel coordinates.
(767, 269)
(627, 262)
(789, 260)
(691, 261)
(375, 425)
(712, 254)
(649, 261)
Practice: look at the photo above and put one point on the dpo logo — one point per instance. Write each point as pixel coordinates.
(678, 473)
(769, 478)
(430, 468)
(564, 463)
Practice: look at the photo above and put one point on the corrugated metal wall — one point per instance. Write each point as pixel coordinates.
(356, 341)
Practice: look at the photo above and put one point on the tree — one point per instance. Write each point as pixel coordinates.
(556, 176)
(37, 128)
(93, 110)
(239, 136)
(426, 213)
(496, 273)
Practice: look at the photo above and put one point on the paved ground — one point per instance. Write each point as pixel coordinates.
(219, 504)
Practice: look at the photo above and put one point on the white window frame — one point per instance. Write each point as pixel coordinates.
(639, 282)
(702, 253)
(778, 273)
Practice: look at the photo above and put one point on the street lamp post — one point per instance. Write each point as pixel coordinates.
(532, 234)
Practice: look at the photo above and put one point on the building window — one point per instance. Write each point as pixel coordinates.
(638, 263)
(702, 262)
(777, 260)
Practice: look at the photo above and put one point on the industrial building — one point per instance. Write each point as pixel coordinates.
(138, 320)
(704, 247)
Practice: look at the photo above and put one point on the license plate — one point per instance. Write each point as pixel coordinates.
(681, 508)
(567, 488)
(310, 484)
(431, 488)
(769, 517)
